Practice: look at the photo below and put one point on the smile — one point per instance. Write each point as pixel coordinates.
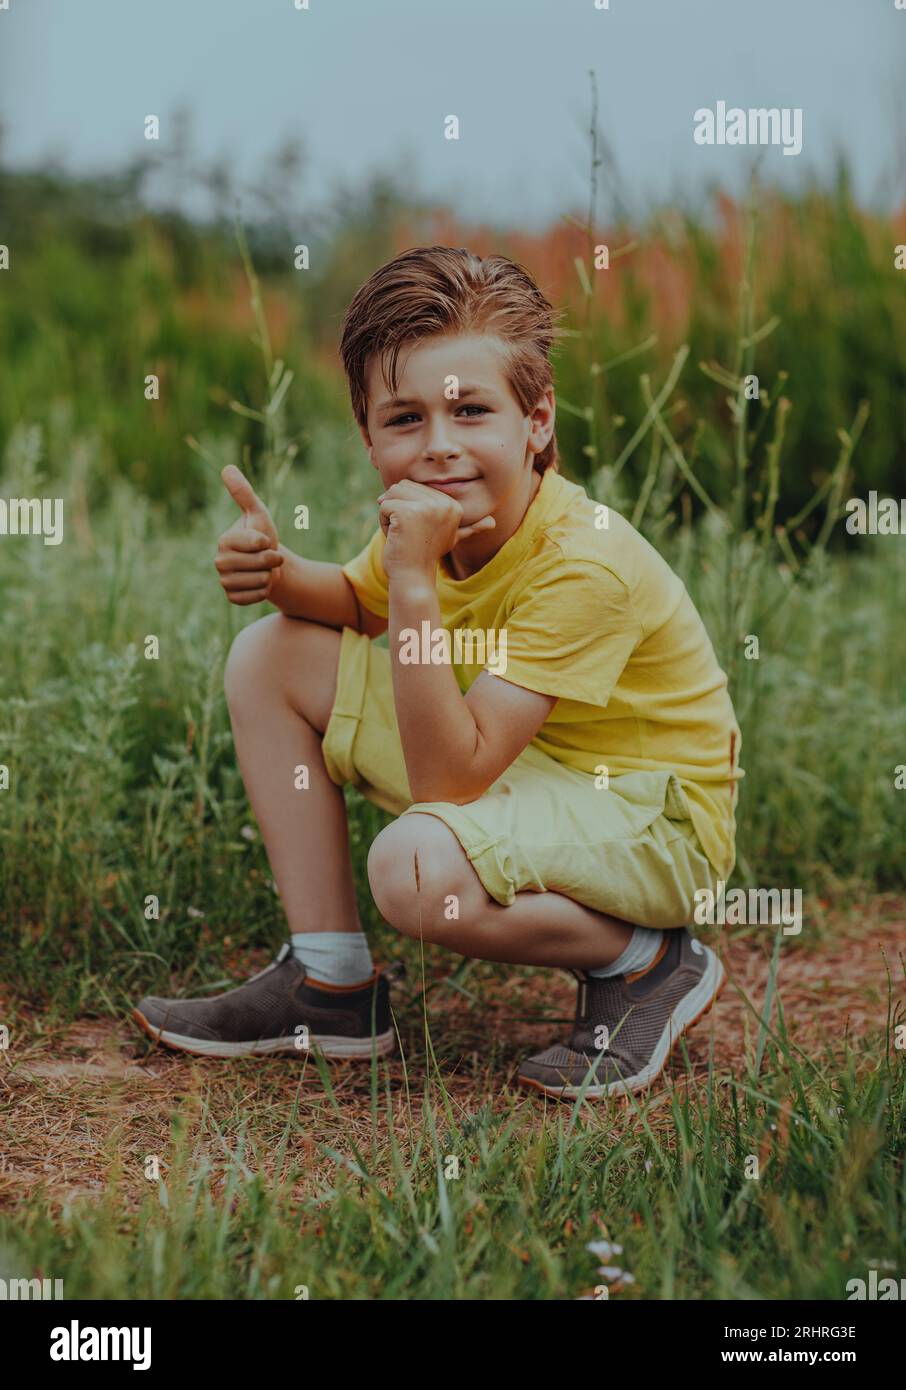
(452, 484)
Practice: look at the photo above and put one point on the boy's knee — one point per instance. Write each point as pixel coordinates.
(414, 865)
(248, 650)
(391, 873)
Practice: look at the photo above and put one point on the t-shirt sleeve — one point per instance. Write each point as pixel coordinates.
(366, 574)
(571, 633)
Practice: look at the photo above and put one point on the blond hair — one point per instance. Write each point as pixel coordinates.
(431, 290)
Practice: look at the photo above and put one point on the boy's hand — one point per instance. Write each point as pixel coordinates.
(248, 559)
(421, 524)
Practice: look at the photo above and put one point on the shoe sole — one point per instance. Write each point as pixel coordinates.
(687, 1013)
(329, 1047)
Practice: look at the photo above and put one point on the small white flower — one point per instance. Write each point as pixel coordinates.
(193, 912)
(612, 1273)
(248, 832)
(603, 1250)
(648, 1165)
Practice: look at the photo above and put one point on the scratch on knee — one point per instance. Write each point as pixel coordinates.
(418, 886)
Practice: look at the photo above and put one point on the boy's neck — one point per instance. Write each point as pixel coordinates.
(458, 569)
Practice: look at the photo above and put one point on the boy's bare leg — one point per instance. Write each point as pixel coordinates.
(545, 929)
(280, 682)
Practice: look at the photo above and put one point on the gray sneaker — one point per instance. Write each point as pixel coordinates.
(271, 1013)
(626, 1026)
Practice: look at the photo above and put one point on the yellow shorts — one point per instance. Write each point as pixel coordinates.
(630, 850)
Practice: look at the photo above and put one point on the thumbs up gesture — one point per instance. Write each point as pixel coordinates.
(248, 557)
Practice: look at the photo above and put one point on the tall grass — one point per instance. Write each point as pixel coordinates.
(440, 1202)
(124, 785)
(100, 294)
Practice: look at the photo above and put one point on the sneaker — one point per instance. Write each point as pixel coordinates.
(268, 1012)
(643, 1014)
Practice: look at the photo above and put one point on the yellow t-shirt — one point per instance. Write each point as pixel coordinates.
(595, 616)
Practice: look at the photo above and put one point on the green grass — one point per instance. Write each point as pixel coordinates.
(379, 1211)
(100, 293)
(124, 785)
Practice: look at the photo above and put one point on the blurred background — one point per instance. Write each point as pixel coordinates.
(733, 376)
(325, 127)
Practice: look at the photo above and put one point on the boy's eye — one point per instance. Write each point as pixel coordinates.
(400, 419)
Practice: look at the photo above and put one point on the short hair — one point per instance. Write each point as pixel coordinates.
(432, 290)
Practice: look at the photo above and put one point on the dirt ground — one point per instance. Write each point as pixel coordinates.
(98, 1096)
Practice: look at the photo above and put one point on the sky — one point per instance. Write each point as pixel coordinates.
(366, 85)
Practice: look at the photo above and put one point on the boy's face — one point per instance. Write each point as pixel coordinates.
(482, 435)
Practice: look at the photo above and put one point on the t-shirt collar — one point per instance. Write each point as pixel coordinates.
(546, 504)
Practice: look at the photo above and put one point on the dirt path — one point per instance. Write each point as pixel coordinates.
(96, 1098)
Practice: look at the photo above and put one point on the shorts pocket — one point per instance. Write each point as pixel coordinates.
(649, 795)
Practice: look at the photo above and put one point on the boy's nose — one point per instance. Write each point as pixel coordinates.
(440, 442)
(439, 445)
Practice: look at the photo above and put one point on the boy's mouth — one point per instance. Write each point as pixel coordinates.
(449, 484)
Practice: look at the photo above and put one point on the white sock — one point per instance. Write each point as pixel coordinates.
(333, 957)
(644, 945)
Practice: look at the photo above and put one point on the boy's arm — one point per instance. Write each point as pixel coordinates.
(570, 634)
(455, 745)
(320, 591)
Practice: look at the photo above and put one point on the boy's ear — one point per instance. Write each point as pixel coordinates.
(542, 421)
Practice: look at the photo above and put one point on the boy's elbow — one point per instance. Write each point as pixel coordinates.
(468, 786)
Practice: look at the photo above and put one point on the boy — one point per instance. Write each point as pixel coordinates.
(558, 804)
